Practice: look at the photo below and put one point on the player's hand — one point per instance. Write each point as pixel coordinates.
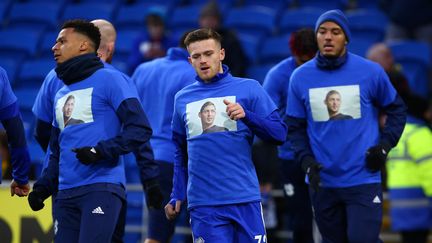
(172, 209)
(87, 155)
(376, 157)
(312, 169)
(234, 110)
(154, 196)
(36, 200)
(19, 190)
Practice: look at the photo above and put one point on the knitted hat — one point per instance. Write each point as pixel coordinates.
(337, 17)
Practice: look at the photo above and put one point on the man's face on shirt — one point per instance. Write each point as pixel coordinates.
(206, 57)
(331, 40)
(68, 44)
(207, 115)
(68, 107)
(333, 103)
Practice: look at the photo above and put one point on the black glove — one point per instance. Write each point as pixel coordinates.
(312, 169)
(154, 196)
(376, 157)
(36, 199)
(87, 155)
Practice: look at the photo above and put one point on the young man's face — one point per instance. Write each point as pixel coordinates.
(206, 57)
(68, 107)
(333, 103)
(68, 45)
(331, 40)
(207, 115)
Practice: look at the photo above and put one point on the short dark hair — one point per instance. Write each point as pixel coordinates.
(86, 28)
(208, 103)
(202, 34)
(303, 42)
(154, 19)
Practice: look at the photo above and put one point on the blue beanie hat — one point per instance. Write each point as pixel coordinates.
(337, 17)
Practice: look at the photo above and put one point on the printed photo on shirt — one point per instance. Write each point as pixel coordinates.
(335, 103)
(209, 116)
(74, 108)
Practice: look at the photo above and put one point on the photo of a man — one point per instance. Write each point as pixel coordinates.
(333, 102)
(207, 115)
(68, 108)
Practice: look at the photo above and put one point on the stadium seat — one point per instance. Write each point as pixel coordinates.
(11, 66)
(89, 11)
(250, 45)
(295, 19)
(276, 5)
(32, 72)
(132, 17)
(47, 42)
(360, 46)
(34, 15)
(16, 42)
(253, 20)
(415, 58)
(324, 4)
(258, 72)
(274, 49)
(4, 9)
(184, 18)
(367, 24)
(26, 97)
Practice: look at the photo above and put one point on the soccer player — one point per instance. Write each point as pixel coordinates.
(343, 158)
(85, 157)
(215, 169)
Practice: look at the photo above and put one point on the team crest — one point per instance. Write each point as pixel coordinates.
(199, 240)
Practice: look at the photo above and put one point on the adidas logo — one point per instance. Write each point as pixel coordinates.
(98, 210)
(376, 200)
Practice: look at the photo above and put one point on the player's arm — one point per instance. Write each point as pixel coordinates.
(20, 157)
(178, 194)
(42, 133)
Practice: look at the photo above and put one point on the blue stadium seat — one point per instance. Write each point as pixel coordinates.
(33, 72)
(415, 58)
(324, 4)
(11, 65)
(4, 9)
(89, 11)
(258, 72)
(47, 42)
(184, 18)
(360, 46)
(254, 20)
(367, 24)
(250, 44)
(295, 19)
(19, 42)
(123, 48)
(35, 15)
(274, 49)
(132, 16)
(26, 97)
(276, 5)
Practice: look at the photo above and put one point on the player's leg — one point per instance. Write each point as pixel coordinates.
(160, 229)
(66, 220)
(121, 223)
(209, 224)
(100, 212)
(330, 215)
(250, 226)
(364, 212)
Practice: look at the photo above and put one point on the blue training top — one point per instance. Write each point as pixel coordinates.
(93, 119)
(276, 84)
(340, 144)
(220, 168)
(157, 83)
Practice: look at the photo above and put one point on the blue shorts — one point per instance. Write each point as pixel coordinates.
(91, 217)
(351, 214)
(159, 228)
(239, 223)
